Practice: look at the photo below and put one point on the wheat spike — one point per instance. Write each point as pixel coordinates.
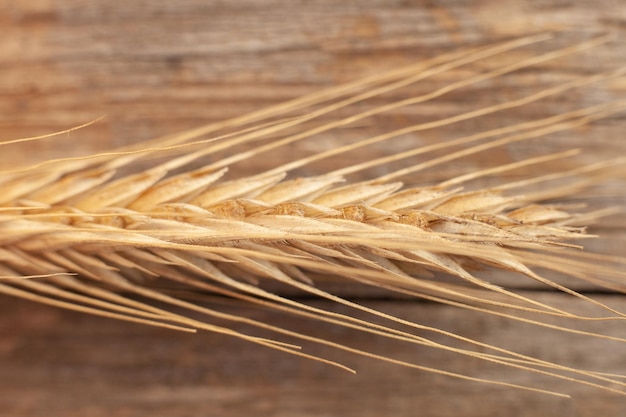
(97, 234)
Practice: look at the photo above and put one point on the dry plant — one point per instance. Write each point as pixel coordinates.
(101, 235)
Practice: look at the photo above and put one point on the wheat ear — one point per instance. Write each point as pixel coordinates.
(97, 235)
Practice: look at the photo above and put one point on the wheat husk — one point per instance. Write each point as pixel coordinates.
(101, 234)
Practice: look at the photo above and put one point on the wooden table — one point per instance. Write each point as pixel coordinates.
(154, 68)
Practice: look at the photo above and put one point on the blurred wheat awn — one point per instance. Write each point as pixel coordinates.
(98, 234)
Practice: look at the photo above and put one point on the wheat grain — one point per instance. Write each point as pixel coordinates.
(210, 232)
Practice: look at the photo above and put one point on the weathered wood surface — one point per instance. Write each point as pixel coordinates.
(55, 363)
(158, 67)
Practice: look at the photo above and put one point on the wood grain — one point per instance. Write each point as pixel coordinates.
(56, 363)
(157, 67)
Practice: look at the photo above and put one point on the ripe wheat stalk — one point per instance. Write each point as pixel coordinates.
(97, 234)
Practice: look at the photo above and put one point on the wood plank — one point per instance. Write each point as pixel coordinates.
(53, 362)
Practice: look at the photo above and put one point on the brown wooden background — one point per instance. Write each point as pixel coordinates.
(156, 67)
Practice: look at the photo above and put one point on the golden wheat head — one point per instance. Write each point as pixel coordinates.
(101, 235)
